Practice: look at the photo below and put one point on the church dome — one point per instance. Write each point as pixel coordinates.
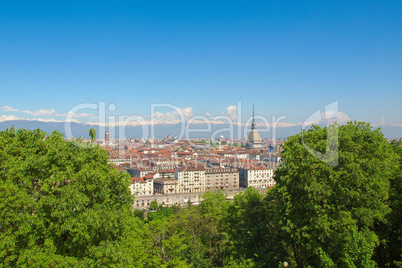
(254, 136)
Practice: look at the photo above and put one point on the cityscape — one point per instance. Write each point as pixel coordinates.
(172, 171)
(201, 134)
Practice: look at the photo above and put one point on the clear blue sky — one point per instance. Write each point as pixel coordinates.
(285, 57)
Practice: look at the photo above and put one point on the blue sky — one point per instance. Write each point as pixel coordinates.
(286, 57)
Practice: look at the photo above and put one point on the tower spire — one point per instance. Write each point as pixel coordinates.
(254, 139)
(253, 124)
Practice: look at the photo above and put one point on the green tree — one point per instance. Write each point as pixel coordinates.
(139, 213)
(153, 205)
(63, 205)
(250, 229)
(92, 134)
(213, 209)
(328, 213)
(214, 206)
(164, 245)
(160, 213)
(389, 252)
(193, 229)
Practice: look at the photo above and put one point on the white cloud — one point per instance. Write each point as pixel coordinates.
(158, 116)
(277, 125)
(4, 118)
(384, 123)
(173, 117)
(186, 112)
(9, 109)
(327, 117)
(343, 118)
(330, 117)
(72, 114)
(51, 112)
(231, 111)
(44, 112)
(381, 123)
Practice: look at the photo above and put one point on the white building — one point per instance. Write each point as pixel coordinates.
(190, 179)
(118, 161)
(143, 185)
(233, 154)
(141, 172)
(254, 156)
(271, 158)
(166, 186)
(257, 177)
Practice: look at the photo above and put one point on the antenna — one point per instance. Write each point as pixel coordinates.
(253, 124)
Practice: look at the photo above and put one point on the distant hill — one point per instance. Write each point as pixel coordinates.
(162, 130)
(77, 129)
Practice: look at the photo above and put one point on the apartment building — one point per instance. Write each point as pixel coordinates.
(221, 178)
(166, 186)
(143, 185)
(258, 177)
(164, 172)
(190, 179)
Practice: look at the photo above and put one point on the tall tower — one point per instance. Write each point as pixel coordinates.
(107, 138)
(253, 123)
(254, 139)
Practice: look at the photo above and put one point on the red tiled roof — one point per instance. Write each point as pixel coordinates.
(149, 175)
(137, 179)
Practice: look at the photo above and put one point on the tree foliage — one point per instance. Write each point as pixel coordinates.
(389, 252)
(92, 134)
(328, 213)
(61, 204)
(154, 205)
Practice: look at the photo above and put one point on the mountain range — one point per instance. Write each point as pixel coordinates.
(162, 130)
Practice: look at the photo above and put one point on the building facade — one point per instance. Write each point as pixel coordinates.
(257, 177)
(190, 179)
(164, 172)
(221, 178)
(143, 185)
(166, 186)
